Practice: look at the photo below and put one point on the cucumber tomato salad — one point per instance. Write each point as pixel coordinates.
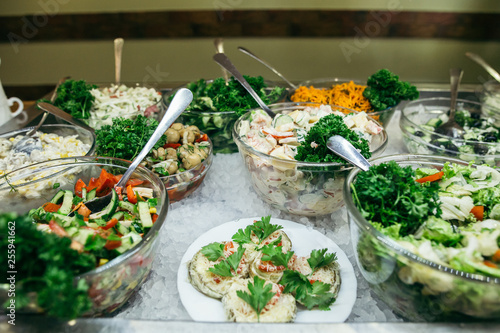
(118, 227)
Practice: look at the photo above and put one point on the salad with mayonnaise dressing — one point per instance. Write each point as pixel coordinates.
(448, 217)
(289, 163)
(49, 146)
(122, 101)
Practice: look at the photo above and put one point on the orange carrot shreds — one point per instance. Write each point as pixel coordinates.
(478, 212)
(431, 178)
(348, 95)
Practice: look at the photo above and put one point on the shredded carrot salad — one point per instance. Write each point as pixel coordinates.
(348, 95)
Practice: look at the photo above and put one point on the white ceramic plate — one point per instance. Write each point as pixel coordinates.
(304, 240)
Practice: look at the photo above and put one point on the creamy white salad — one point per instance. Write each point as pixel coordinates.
(281, 183)
(122, 101)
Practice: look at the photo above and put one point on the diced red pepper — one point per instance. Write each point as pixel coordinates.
(171, 145)
(111, 223)
(79, 186)
(131, 195)
(112, 244)
(51, 207)
(204, 137)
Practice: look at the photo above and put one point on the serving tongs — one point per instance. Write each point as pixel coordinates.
(225, 63)
(179, 103)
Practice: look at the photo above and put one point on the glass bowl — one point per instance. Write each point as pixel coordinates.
(217, 124)
(420, 138)
(444, 294)
(49, 151)
(111, 284)
(183, 184)
(489, 96)
(98, 118)
(383, 117)
(300, 188)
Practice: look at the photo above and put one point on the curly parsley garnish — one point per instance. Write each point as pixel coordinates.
(388, 194)
(125, 137)
(314, 148)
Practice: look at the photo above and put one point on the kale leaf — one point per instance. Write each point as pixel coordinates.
(126, 137)
(318, 136)
(388, 193)
(384, 90)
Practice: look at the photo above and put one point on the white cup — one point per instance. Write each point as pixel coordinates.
(5, 112)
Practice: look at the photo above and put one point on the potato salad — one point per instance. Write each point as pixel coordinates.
(17, 152)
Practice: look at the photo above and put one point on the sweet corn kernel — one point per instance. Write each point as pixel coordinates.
(152, 210)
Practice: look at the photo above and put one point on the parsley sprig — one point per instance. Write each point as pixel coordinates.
(261, 229)
(126, 137)
(388, 194)
(275, 254)
(226, 267)
(260, 294)
(311, 293)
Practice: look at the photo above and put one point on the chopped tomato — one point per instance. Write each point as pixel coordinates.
(57, 229)
(131, 195)
(83, 210)
(172, 145)
(79, 186)
(204, 137)
(51, 207)
(478, 212)
(93, 183)
(112, 244)
(134, 182)
(496, 256)
(106, 182)
(111, 223)
(119, 192)
(154, 217)
(490, 264)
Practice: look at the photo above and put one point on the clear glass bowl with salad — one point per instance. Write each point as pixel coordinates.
(480, 142)
(216, 106)
(270, 148)
(429, 248)
(98, 103)
(386, 92)
(489, 96)
(93, 261)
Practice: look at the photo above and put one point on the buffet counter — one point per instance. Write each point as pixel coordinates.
(227, 195)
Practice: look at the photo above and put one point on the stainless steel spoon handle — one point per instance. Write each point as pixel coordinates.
(180, 102)
(484, 64)
(247, 52)
(219, 48)
(224, 62)
(346, 150)
(63, 115)
(118, 59)
(455, 78)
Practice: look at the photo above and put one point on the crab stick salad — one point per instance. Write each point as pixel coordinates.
(122, 101)
(300, 134)
(109, 231)
(259, 278)
(17, 152)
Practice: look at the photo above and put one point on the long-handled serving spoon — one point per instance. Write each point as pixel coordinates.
(180, 102)
(118, 59)
(484, 64)
(346, 150)
(219, 48)
(451, 128)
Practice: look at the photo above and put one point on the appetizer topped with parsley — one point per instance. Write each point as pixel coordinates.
(260, 279)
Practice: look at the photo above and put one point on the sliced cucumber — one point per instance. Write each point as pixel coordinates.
(281, 120)
(109, 210)
(435, 122)
(122, 229)
(67, 203)
(64, 220)
(128, 242)
(84, 194)
(91, 194)
(57, 197)
(128, 206)
(144, 214)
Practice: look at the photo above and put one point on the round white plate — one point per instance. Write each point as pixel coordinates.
(304, 240)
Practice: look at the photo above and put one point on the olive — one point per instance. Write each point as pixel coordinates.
(475, 115)
(490, 137)
(480, 149)
(419, 133)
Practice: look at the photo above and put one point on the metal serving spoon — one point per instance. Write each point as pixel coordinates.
(247, 52)
(180, 102)
(484, 64)
(346, 150)
(30, 142)
(451, 128)
(63, 115)
(118, 59)
(219, 47)
(224, 62)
